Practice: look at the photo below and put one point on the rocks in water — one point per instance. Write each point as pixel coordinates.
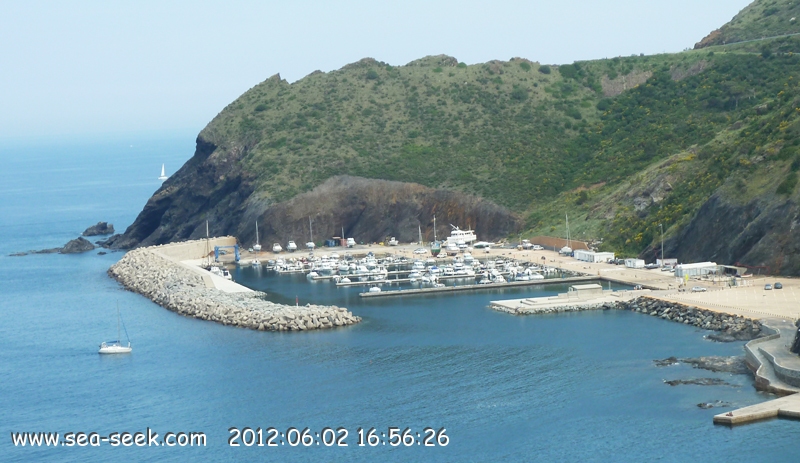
(173, 286)
(735, 365)
(101, 253)
(101, 228)
(714, 404)
(18, 254)
(666, 362)
(77, 246)
(699, 382)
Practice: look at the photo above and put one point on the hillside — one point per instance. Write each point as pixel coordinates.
(762, 18)
(687, 142)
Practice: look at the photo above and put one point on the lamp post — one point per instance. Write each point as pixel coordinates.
(662, 243)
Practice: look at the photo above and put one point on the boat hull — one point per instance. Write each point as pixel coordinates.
(115, 349)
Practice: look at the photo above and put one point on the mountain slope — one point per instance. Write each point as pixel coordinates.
(628, 147)
(762, 18)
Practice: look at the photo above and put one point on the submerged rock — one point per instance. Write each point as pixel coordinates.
(735, 365)
(714, 404)
(699, 382)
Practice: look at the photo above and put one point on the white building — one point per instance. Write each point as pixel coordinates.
(695, 270)
(591, 256)
(634, 263)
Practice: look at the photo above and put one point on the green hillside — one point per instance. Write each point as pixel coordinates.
(694, 144)
(762, 18)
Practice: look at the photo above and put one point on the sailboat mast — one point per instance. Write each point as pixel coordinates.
(119, 334)
(420, 235)
(310, 231)
(434, 228)
(569, 243)
(256, 231)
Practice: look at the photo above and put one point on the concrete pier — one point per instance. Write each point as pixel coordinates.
(788, 407)
(476, 287)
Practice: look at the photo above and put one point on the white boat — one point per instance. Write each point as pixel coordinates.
(257, 246)
(163, 175)
(311, 245)
(276, 248)
(458, 236)
(345, 280)
(567, 250)
(374, 289)
(256, 263)
(291, 247)
(116, 347)
(393, 242)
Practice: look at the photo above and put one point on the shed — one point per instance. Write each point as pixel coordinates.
(634, 263)
(586, 290)
(695, 270)
(591, 256)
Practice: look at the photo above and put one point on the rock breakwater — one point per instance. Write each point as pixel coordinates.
(174, 287)
(728, 327)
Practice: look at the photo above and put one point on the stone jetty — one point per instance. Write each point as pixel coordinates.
(172, 285)
(728, 327)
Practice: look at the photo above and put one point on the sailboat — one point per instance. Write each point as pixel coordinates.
(257, 247)
(116, 347)
(163, 175)
(436, 246)
(567, 250)
(310, 244)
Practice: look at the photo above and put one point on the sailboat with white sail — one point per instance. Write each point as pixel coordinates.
(163, 175)
(116, 347)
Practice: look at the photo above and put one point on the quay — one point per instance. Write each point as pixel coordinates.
(475, 287)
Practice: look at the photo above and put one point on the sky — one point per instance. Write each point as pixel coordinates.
(100, 68)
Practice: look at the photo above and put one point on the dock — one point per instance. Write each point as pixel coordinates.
(477, 287)
(787, 407)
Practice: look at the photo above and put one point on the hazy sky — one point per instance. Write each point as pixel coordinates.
(118, 67)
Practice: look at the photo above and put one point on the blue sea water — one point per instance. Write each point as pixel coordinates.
(575, 387)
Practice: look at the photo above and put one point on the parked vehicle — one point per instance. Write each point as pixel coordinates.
(698, 289)
(767, 287)
(777, 286)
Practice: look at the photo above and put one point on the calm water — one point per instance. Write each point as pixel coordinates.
(579, 387)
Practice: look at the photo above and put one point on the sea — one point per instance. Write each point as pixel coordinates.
(475, 384)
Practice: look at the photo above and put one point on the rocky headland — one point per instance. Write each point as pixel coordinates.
(175, 287)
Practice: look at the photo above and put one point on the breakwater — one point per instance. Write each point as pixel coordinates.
(171, 285)
(729, 327)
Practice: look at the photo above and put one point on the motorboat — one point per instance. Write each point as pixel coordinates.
(311, 245)
(374, 289)
(276, 248)
(393, 242)
(458, 236)
(291, 246)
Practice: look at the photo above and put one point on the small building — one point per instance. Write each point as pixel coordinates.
(584, 291)
(695, 270)
(591, 256)
(667, 262)
(634, 263)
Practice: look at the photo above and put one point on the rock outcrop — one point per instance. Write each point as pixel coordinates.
(179, 289)
(101, 228)
(77, 246)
